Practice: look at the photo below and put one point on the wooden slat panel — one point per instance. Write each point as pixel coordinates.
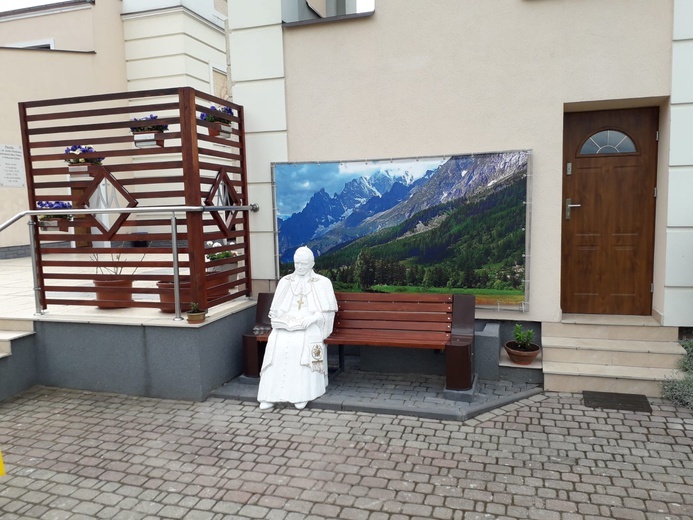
(415, 307)
(387, 341)
(408, 324)
(393, 297)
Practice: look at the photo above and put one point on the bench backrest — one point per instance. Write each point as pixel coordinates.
(414, 317)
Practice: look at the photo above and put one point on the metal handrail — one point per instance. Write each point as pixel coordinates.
(149, 209)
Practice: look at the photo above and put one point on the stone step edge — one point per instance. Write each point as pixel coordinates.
(614, 345)
(12, 324)
(626, 331)
(558, 368)
(6, 337)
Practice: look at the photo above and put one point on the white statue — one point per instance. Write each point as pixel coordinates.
(302, 314)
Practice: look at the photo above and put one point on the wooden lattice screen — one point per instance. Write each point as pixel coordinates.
(188, 164)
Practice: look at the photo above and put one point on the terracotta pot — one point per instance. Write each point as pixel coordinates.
(168, 302)
(168, 299)
(113, 299)
(521, 357)
(220, 130)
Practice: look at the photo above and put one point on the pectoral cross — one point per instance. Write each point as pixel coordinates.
(300, 301)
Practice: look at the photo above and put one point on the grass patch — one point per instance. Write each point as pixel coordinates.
(680, 391)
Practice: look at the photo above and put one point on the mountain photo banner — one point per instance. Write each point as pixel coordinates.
(436, 224)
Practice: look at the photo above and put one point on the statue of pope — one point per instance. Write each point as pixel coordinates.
(302, 314)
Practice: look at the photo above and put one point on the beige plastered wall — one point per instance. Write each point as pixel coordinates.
(98, 67)
(417, 79)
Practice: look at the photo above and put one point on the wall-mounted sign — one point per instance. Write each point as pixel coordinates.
(11, 167)
(435, 224)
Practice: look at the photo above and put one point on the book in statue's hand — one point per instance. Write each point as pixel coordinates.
(288, 322)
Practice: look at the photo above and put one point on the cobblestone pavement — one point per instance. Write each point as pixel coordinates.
(80, 455)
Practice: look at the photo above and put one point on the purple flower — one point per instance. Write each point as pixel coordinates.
(212, 118)
(77, 150)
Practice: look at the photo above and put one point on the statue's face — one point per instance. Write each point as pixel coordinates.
(303, 264)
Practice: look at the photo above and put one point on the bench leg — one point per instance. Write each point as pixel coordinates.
(340, 368)
(458, 367)
(252, 358)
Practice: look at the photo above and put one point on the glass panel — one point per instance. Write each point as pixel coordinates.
(608, 142)
(318, 10)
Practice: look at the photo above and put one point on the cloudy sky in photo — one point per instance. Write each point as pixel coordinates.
(297, 182)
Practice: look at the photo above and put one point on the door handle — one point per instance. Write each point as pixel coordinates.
(568, 205)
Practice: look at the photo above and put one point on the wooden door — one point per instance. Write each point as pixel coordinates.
(609, 175)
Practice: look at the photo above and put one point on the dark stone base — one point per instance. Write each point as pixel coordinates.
(463, 395)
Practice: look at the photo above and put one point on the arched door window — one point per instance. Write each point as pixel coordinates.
(608, 142)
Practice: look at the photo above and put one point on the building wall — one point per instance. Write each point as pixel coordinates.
(112, 46)
(172, 47)
(87, 59)
(462, 77)
(677, 299)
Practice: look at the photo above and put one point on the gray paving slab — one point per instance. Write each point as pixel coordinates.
(78, 455)
(399, 394)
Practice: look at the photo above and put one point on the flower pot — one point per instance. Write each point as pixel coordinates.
(55, 224)
(521, 357)
(118, 295)
(196, 317)
(148, 139)
(168, 298)
(220, 130)
(218, 292)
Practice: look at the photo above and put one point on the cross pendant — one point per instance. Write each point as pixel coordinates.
(300, 301)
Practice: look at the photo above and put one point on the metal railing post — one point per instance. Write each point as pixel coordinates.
(176, 276)
(34, 268)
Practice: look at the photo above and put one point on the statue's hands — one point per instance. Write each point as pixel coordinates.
(309, 320)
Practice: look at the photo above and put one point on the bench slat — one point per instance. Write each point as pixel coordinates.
(393, 297)
(392, 326)
(410, 340)
(367, 315)
(416, 307)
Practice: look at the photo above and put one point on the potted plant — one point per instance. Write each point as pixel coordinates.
(148, 133)
(222, 124)
(76, 162)
(521, 350)
(61, 222)
(216, 266)
(195, 314)
(118, 289)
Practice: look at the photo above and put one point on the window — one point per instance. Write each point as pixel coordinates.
(312, 11)
(608, 142)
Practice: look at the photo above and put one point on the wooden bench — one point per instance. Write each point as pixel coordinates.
(426, 321)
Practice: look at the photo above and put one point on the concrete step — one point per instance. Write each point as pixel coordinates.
(624, 328)
(613, 352)
(6, 337)
(13, 324)
(576, 377)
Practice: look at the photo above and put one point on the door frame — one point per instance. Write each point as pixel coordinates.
(652, 115)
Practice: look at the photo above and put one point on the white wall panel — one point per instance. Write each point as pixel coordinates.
(265, 107)
(681, 124)
(263, 220)
(258, 53)
(254, 13)
(680, 209)
(682, 72)
(261, 150)
(263, 258)
(679, 270)
(679, 307)
(683, 25)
